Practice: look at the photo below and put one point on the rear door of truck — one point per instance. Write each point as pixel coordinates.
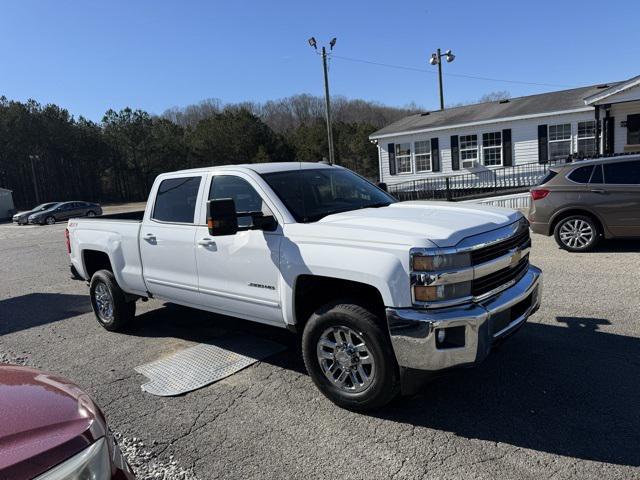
(167, 237)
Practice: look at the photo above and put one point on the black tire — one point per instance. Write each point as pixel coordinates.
(123, 311)
(50, 220)
(91, 213)
(385, 382)
(574, 223)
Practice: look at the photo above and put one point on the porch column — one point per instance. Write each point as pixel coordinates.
(598, 130)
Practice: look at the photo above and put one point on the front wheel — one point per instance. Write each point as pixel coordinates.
(91, 213)
(109, 303)
(50, 220)
(577, 233)
(349, 356)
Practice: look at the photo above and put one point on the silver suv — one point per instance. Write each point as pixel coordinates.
(581, 202)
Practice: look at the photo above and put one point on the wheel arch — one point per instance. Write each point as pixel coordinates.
(312, 291)
(570, 211)
(94, 260)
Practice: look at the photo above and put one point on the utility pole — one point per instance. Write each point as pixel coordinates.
(436, 59)
(327, 103)
(327, 98)
(33, 174)
(440, 82)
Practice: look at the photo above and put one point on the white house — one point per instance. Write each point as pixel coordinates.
(581, 122)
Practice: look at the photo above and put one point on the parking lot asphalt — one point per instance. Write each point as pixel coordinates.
(561, 399)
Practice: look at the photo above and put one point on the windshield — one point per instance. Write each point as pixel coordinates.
(44, 206)
(313, 194)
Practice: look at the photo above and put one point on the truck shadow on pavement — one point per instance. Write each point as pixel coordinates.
(36, 309)
(617, 245)
(568, 389)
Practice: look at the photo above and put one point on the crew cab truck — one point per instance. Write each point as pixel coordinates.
(378, 290)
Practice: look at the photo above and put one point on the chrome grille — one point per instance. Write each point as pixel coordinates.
(520, 240)
(506, 276)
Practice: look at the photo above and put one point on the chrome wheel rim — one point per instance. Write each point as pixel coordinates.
(51, 220)
(576, 233)
(104, 302)
(345, 359)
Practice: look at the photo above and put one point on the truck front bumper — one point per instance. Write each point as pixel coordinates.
(438, 339)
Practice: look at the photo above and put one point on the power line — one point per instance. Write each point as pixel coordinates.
(461, 75)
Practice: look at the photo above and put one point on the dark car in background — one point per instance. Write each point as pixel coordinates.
(52, 430)
(581, 202)
(22, 218)
(64, 211)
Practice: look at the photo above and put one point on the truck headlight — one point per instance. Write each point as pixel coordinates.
(440, 278)
(92, 463)
(432, 263)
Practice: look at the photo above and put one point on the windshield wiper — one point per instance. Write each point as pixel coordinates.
(377, 205)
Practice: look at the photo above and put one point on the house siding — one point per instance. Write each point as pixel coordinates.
(524, 138)
(619, 112)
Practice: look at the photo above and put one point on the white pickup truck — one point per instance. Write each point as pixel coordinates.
(379, 291)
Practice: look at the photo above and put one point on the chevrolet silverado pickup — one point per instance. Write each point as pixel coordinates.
(380, 292)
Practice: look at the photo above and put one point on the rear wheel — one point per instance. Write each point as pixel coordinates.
(50, 220)
(577, 233)
(349, 356)
(109, 303)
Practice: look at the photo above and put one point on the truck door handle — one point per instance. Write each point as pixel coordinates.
(207, 242)
(597, 190)
(150, 237)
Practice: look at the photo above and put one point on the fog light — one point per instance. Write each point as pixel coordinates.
(441, 335)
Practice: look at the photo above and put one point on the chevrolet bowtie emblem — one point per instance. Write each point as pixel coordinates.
(516, 255)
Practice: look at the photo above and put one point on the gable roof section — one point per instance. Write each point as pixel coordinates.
(613, 90)
(489, 112)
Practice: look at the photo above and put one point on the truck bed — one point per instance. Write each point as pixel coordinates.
(117, 236)
(136, 216)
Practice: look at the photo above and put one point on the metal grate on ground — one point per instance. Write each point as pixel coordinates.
(203, 364)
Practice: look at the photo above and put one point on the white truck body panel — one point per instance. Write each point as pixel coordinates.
(116, 238)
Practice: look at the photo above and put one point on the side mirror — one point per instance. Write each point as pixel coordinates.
(267, 223)
(222, 218)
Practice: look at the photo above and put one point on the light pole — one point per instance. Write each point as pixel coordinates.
(436, 59)
(33, 174)
(327, 101)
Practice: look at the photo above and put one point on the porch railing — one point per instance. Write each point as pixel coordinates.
(518, 178)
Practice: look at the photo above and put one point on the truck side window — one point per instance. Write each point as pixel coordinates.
(242, 193)
(176, 200)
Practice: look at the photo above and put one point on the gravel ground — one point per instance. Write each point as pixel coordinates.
(559, 400)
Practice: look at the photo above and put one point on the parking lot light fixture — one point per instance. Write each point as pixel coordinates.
(436, 59)
(327, 100)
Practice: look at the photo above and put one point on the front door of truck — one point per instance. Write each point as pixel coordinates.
(167, 239)
(238, 274)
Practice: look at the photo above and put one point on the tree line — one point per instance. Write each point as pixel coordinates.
(118, 158)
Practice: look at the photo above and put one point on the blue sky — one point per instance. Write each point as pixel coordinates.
(91, 56)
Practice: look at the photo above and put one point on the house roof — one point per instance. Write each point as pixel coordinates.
(614, 89)
(531, 105)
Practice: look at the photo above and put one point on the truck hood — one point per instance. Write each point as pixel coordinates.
(416, 223)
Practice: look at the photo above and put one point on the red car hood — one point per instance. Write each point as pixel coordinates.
(44, 419)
